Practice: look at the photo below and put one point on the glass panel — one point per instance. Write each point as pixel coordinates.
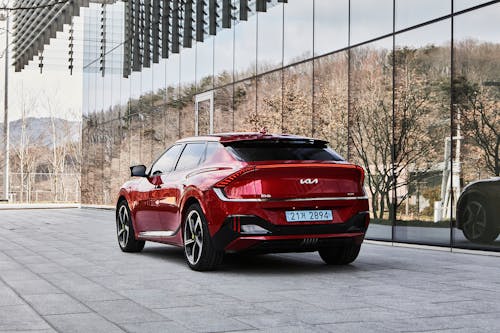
(244, 105)
(172, 120)
(459, 5)
(205, 65)
(99, 159)
(331, 25)
(297, 99)
(269, 114)
(413, 12)
(223, 110)
(476, 108)
(270, 37)
(125, 130)
(298, 31)
(204, 117)
(245, 46)
(224, 56)
(422, 135)
(370, 19)
(159, 108)
(187, 92)
(330, 101)
(146, 115)
(135, 121)
(371, 128)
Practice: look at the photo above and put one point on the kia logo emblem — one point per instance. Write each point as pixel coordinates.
(309, 181)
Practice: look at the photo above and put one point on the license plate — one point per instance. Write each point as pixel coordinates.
(308, 215)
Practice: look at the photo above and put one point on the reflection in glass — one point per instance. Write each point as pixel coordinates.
(159, 107)
(172, 120)
(145, 108)
(203, 117)
(330, 101)
(244, 102)
(224, 56)
(185, 103)
(298, 31)
(331, 25)
(413, 12)
(297, 99)
(269, 113)
(223, 110)
(370, 19)
(476, 85)
(270, 37)
(205, 65)
(459, 5)
(245, 46)
(423, 175)
(371, 128)
(124, 125)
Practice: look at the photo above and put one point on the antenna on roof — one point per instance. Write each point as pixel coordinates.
(263, 131)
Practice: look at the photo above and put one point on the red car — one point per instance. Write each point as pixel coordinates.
(246, 192)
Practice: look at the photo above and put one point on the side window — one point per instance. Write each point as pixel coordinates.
(191, 156)
(212, 147)
(166, 162)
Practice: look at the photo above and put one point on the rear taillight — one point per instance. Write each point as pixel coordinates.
(229, 179)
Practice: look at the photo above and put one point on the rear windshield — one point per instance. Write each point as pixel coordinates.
(254, 151)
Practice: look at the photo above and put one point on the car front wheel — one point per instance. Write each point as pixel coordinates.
(341, 255)
(199, 251)
(125, 230)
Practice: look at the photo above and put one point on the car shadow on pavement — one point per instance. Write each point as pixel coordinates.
(271, 264)
(165, 252)
(279, 264)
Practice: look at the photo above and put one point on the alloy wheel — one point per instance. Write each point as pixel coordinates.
(123, 228)
(474, 224)
(193, 237)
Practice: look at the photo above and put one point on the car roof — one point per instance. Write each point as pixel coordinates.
(247, 136)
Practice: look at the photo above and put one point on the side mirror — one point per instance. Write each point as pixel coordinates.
(138, 171)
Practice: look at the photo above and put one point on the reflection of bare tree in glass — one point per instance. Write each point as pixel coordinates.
(330, 101)
(416, 111)
(477, 100)
(269, 104)
(371, 123)
(223, 110)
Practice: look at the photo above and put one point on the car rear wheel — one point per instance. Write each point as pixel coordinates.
(341, 255)
(125, 230)
(476, 221)
(199, 251)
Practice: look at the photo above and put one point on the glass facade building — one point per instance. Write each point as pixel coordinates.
(408, 89)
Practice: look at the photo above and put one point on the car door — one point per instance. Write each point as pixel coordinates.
(161, 168)
(170, 192)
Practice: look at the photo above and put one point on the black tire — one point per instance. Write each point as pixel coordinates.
(199, 251)
(125, 230)
(476, 220)
(341, 255)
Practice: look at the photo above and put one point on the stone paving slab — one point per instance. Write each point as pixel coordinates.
(61, 271)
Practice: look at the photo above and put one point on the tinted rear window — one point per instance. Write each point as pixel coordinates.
(254, 151)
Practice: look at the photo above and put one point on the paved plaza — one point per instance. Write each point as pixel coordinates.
(61, 270)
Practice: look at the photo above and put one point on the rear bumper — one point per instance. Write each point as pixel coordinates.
(232, 237)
